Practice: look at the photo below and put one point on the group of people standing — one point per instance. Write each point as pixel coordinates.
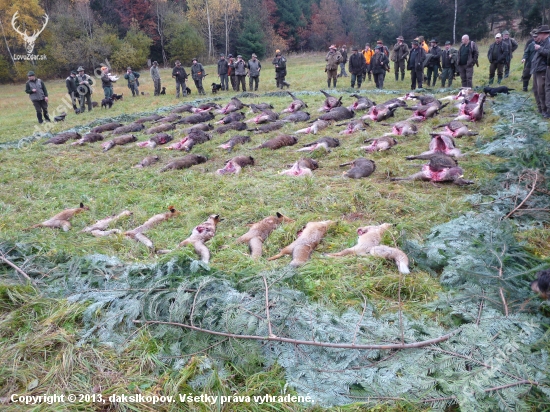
(236, 70)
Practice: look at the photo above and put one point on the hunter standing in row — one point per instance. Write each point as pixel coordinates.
(197, 74)
(36, 89)
(333, 59)
(344, 53)
(512, 46)
(223, 70)
(106, 82)
(528, 53)
(240, 72)
(367, 54)
(468, 55)
(356, 66)
(180, 75)
(434, 62)
(254, 67)
(380, 64)
(280, 69)
(399, 57)
(498, 55)
(449, 57)
(70, 82)
(416, 64)
(155, 75)
(133, 82)
(83, 86)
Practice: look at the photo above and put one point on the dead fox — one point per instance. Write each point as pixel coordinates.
(259, 232)
(61, 220)
(369, 236)
(137, 233)
(201, 234)
(369, 242)
(307, 241)
(99, 227)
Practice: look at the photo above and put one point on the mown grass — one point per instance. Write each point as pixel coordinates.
(38, 336)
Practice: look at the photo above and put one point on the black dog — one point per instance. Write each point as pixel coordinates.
(216, 88)
(493, 91)
(188, 90)
(117, 96)
(107, 102)
(542, 284)
(163, 91)
(60, 118)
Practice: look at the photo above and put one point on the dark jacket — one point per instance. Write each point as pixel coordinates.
(197, 71)
(379, 63)
(435, 60)
(528, 52)
(222, 67)
(70, 82)
(399, 52)
(501, 50)
(539, 60)
(179, 74)
(357, 63)
(40, 87)
(280, 64)
(240, 68)
(416, 59)
(87, 83)
(449, 58)
(512, 45)
(473, 54)
(106, 80)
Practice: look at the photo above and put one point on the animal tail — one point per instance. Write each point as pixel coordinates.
(399, 257)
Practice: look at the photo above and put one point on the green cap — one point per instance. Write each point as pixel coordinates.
(31, 73)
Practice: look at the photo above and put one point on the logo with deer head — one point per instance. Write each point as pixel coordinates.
(29, 40)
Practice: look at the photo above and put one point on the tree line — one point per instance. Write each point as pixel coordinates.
(129, 32)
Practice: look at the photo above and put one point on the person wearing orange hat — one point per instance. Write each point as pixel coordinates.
(280, 70)
(333, 59)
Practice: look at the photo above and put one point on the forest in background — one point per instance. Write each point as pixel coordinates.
(131, 32)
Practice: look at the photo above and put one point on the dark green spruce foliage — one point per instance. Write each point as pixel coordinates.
(251, 39)
(495, 360)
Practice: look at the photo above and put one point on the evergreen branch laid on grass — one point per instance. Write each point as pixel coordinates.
(274, 338)
(17, 268)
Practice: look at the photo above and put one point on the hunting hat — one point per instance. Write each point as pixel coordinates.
(178, 62)
(433, 41)
(80, 69)
(498, 36)
(194, 59)
(377, 47)
(447, 42)
(239, 56)
(354, 49)
(367, 44)
(415, 42)
(400, 38)
(73, 72)
(128, 68)
(506, 32)
(229, 55)
(222, 55)
(344, 46)
(543, 29)
(534, 32)
(332, 46)
(31, 73)
(379, 42)
(155, 63)
(254, 55)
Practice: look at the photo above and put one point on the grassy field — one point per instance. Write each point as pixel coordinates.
(37, 181)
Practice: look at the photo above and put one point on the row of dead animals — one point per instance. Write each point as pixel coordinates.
(428, 108)
(301, 249)
(308, 238)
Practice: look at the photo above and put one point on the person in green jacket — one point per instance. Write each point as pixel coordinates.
(83, 83)
(36, 89)
(133, 81)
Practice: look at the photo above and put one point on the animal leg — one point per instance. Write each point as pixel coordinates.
(256, 244)
(400, 258)
(285, 251)
(202, 251)
(416, 176)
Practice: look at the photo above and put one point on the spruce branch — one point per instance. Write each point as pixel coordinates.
(17, 268)
(271, 335)
(414, 345)
(533, 187)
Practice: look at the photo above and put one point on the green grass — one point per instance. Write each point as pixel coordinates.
(38, 335)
